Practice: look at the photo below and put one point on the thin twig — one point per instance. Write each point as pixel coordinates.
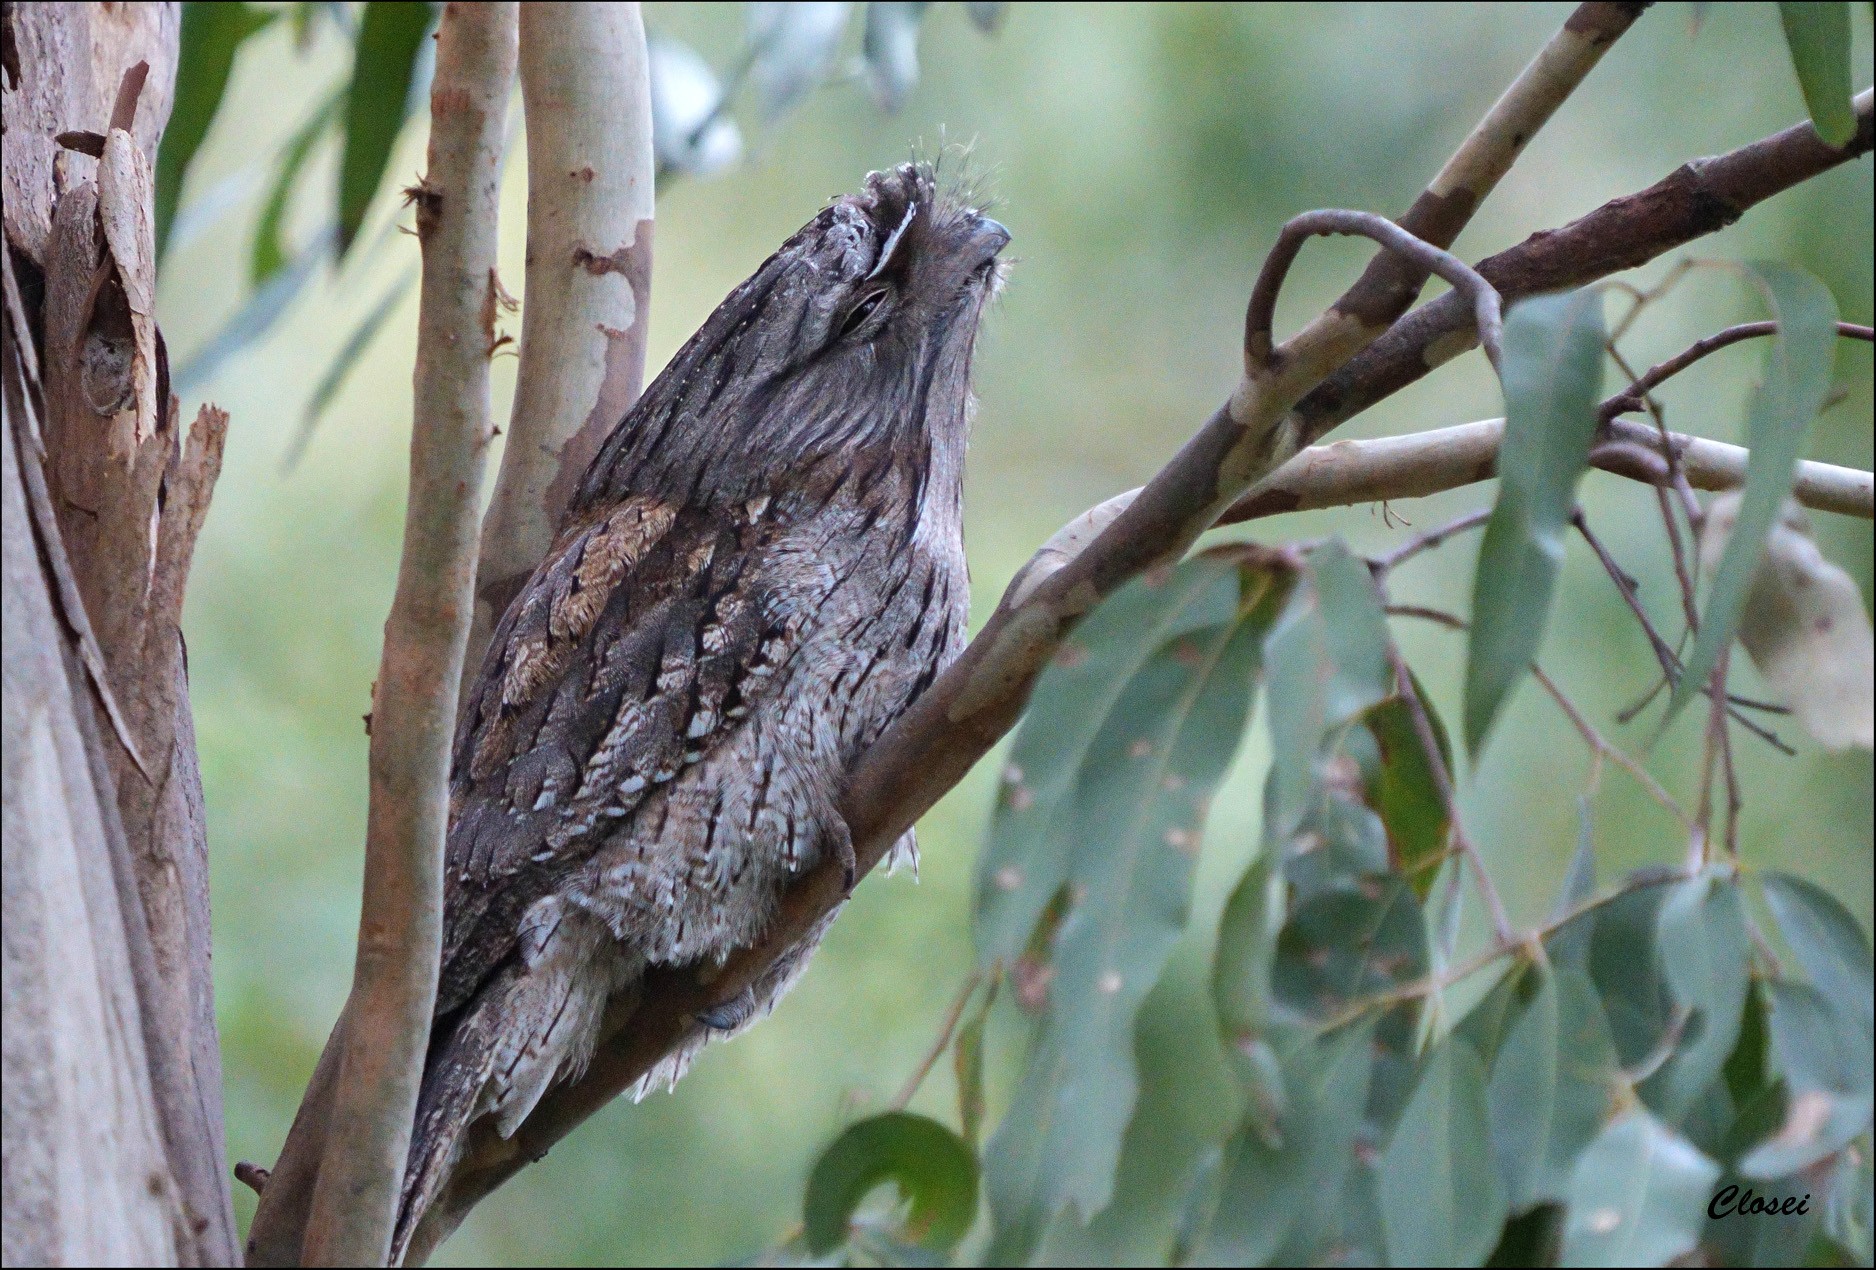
(1601, 748)
(1427, 541)
(1656, 375)
(1670, 664)
(1700, 842)
(1440, 616)
(1433, 985)
(945, 1031)
(1735, 797)
(1676, 480)
(1669, 280)
(1258, 349)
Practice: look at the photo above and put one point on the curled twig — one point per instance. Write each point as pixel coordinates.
(1259, 354)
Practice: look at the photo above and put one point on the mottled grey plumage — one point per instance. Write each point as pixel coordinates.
(762, 568)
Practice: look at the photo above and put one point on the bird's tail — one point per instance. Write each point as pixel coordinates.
(454, 1080)
(533, 1024)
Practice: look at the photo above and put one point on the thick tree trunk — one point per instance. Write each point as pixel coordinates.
(113, 1144)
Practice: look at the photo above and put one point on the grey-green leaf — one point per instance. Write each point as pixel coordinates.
(1241, 966)
(1326, 665)
(890, 47)
(212, 33)
(1554, 1085)
(1827, 1082)
(1442, 1203)
(1275, 1193)
(1797, 374)
(933, 1169)
(1704, 959)
(1818, 35)
(1638, 1196)
(377, 102)
(793, 48)
(1827, 942)
(1552, 376)
(1135, 819)
(1343, 945)
(1025, 862)
(270, 253)
(342, 362)
(1403, 790)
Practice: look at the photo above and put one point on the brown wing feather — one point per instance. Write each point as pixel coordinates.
(638, 643)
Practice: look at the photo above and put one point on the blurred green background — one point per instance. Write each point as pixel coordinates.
(1144, 157)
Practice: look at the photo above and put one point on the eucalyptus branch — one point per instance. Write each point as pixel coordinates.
(586, 95)
(354, 1201)
(1694, 200)
(1388, 286)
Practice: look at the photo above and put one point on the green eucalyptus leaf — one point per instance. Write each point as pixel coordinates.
(1134, 817)
(1625, 965)
(1552, 375)
(1818, 34)
(1554, 1085)
(1326, 665)
(377, 102)
(1340, 947)
(1246, 950)
(1827, 1079)
(270, 253)
(1638, 1196)
(1404, 792)
(1568, 945)
(212, 33)
(1489, 1022)
(1442, 1203)
(1850, 1204)
(1705, 953)
(1798, 363)
(1273, 1196)
(1025, 862)
(933, 1168)
(1828, 943)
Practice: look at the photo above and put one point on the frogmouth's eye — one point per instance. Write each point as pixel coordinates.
(863, 308)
